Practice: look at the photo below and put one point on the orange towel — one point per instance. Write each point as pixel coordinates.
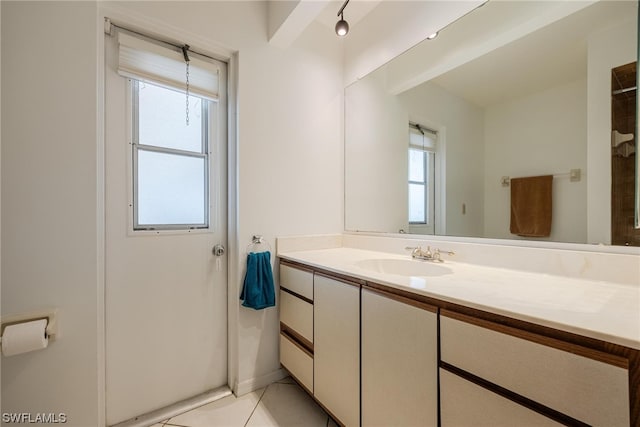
(531, 206)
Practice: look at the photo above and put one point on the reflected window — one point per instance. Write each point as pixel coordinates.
(422, 147)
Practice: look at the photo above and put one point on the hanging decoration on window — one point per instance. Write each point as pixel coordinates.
(185, 53)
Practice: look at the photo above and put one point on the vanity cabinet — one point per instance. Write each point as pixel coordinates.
(565, 381)
(336, 367)
(399, 361)
(375, 355)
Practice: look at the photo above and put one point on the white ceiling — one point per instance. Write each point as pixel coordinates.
(379, 29)
(551, 56)
(353, 13)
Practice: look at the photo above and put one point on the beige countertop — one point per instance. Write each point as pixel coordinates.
(597, 309)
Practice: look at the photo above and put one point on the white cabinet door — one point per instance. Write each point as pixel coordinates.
(336, 367)
(399, 363)
(466, 404)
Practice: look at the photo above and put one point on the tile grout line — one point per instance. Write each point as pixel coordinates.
(256, 407)
(168, 423)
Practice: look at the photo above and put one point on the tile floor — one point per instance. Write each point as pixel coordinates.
(280, 404)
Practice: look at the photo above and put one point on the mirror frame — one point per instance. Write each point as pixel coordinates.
(637, 194)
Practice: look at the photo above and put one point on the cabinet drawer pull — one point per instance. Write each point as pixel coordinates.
(297, 339)
(297, 295)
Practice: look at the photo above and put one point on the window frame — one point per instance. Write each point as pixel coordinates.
(428, 182)
(422, 183)
(136, 146)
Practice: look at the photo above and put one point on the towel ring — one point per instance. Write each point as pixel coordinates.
(258, 244)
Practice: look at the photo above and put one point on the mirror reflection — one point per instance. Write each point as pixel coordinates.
(437, 140)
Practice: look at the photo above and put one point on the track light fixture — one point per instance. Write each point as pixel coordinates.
(342, 26)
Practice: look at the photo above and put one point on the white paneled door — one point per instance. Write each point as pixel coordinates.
(166, 205)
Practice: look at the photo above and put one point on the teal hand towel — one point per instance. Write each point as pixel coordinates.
(258, 291)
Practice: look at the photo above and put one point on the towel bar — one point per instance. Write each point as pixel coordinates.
(574, 175)
(256, 241)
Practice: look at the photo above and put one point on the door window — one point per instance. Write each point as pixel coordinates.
(170, 159)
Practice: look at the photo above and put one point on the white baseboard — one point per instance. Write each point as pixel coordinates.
(247, 386)
(178, 408)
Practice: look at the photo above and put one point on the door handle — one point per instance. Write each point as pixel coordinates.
(218, 250)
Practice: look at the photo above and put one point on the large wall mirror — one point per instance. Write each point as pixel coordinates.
(514, 89)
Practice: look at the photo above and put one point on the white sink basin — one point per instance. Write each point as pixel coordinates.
(403, 267)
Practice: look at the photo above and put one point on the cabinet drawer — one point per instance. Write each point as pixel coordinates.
(464, 403)
(297, 314)
(296, 280)
(588, 390)
(297, 362)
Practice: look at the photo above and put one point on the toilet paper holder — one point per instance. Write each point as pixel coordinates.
(50, 314)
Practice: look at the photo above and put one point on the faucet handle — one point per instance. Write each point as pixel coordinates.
(437, 255)
(415, 250)
(446, 252)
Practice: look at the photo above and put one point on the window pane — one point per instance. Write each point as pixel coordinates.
(416, 203)
(162, 118)
(416, 165)
(171, 189)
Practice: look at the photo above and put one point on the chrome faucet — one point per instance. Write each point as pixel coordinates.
(435, 256)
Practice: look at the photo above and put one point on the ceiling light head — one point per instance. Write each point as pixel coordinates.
(342, 27)
(432, 36)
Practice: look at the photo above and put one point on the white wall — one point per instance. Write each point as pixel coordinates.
(376, 175)
(549, 129)
(289, 152)
(50, 231)
(608, 49)
(461, 131)
(376, 186)
(290, 163)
